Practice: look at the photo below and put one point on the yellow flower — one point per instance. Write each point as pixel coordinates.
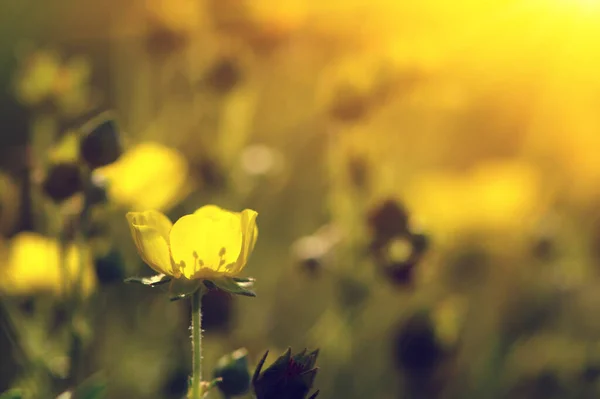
(208, 244)
(496, 196)
(34, 265)
(148, 176)
(36, 80)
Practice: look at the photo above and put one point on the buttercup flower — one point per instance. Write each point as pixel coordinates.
(212, 245)
(34, 265)
(147, 176)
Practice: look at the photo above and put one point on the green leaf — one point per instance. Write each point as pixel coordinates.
(91, 390)
(232, 285)
(308, 377)
(12, 394)
(259, 367)
(153, 281)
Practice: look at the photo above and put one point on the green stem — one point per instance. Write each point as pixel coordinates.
(197, 345)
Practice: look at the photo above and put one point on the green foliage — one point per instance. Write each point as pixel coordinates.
(12, 394)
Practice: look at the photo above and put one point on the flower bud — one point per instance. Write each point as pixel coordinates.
(224, 75)
(101, 146)
(109, 268)
(210, 174)
(388, 220)
(417, 351)
(399, 257)
(234, 373)
(349, 104)
(62, 181)
(401, 274)
(289, 377)
(163, 41)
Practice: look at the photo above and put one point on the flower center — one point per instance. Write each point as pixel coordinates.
(199, 263)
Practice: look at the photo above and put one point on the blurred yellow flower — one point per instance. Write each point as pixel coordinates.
(210, 243)
(148, 176)
(448, 317)
(494, 196)
(66, 150)
(34, 265)
(46, 76)
(37, 78)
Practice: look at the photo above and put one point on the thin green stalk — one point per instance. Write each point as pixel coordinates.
(197, 345)
(76, 284)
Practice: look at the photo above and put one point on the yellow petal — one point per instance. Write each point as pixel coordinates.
(249, 236)
(212, 212)
(150, 232)
(207, 243)
(36, 263)
(148, 176)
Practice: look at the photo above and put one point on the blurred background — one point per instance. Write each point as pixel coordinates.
(426, 175)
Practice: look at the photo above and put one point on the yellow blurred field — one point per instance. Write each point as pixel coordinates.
(426, 177)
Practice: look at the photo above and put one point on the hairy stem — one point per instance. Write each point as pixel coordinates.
(197, 345)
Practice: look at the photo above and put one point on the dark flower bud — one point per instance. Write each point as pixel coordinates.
(398, 258)
(62, 181)
(224, 75)
(234, 373)
(348, 104)
(101, 145)
(110, 268)
(163, 41)
(210, 174)
(401, 273)
(289, 377)
(311, 266)
(416, 350)
(389, 219)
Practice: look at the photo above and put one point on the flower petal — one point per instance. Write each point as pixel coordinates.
(250, 234)
(207, 243)
(212, 212)
(150, 232)
(147, 176)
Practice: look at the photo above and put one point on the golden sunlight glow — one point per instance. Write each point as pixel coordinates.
(583, 5)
